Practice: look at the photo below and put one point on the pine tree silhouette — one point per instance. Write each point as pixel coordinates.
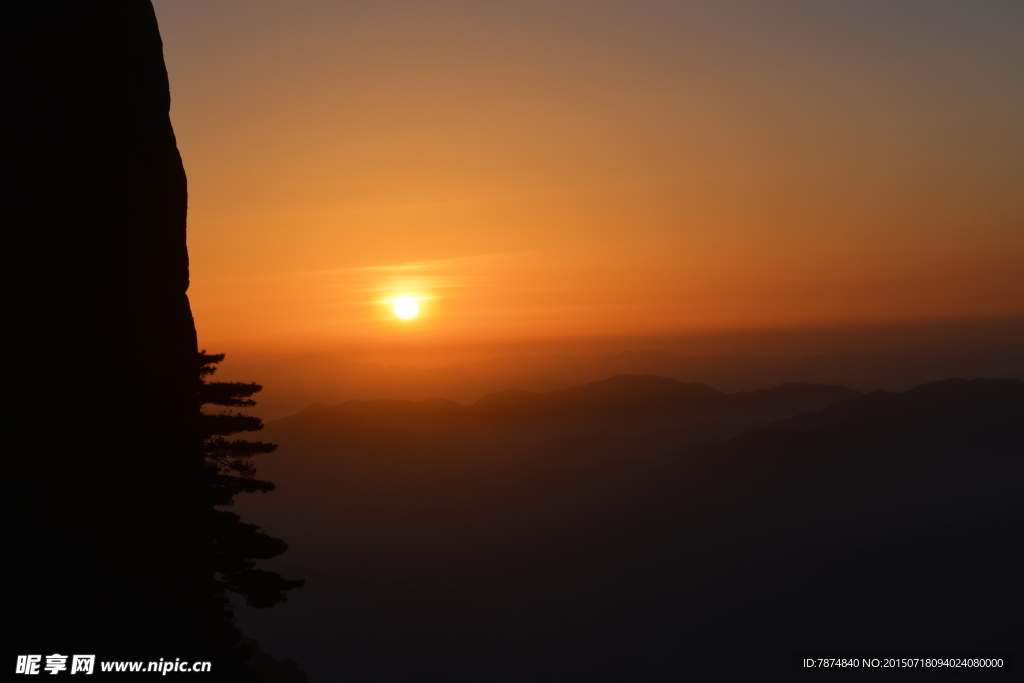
(237, 545)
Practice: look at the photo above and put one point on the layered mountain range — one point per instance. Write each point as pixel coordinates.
(879, 522)
(291, 384)
(525, 432)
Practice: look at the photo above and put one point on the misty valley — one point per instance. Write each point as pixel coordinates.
(639, 527)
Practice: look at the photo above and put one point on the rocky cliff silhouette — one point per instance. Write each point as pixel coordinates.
(109, 554)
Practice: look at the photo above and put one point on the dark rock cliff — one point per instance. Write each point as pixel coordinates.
(109, 553)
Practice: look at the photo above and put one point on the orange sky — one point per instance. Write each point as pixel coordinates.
(557, 169)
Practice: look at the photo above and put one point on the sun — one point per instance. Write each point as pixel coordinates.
(406, 308)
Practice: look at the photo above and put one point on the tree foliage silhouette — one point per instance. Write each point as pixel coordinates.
(237, 545)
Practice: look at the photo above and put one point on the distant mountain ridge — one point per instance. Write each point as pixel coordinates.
(619, 397)
(514, 434)
(952, 398)
(292, 384)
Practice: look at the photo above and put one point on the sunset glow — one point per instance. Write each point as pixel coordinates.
(666, 169)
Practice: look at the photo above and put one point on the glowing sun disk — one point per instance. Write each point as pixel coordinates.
(406, 308)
